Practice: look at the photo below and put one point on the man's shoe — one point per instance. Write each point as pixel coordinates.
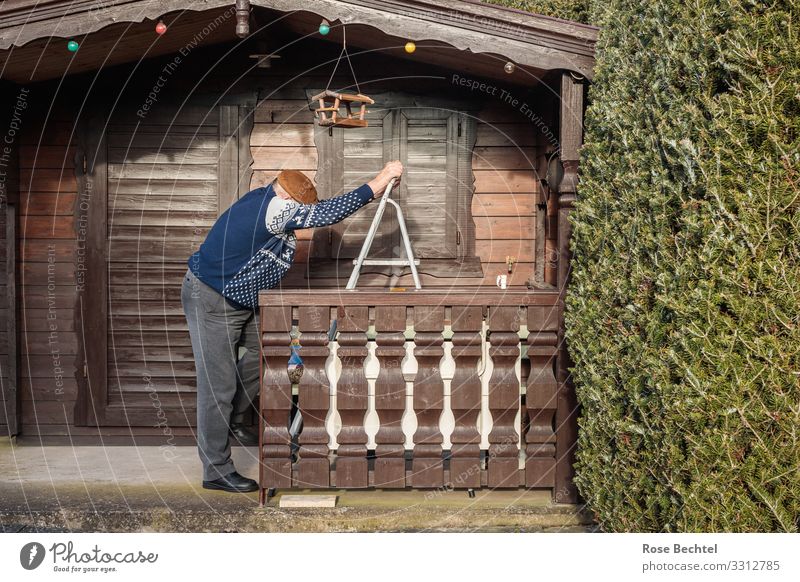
(244, 435)
(233, 483)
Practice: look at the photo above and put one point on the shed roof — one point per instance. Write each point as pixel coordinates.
(29, 29)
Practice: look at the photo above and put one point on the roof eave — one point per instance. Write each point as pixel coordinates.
(527, 39)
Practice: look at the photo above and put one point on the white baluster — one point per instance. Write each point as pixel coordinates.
(409, 368)
(447, 422)
(518, 417)
(485, 423)
(333, 368)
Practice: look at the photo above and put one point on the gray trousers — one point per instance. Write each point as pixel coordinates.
(226, 383)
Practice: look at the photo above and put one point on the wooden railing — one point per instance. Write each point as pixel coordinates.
(426, 389)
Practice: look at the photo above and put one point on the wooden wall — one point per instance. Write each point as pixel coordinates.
(6, 404)
(504, 162)
(506, 189)
(9, 398)
(48, 263)
(13, 100)
(503, 207)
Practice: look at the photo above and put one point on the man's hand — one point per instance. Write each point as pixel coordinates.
(391, 171)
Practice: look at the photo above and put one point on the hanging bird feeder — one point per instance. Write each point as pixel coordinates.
(340, 109)
(331, 114)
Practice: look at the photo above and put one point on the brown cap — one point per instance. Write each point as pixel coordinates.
(298, 185)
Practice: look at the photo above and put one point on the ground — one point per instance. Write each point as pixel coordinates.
(136, 489)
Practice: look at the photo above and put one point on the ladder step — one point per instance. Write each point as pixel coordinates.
(386, 262)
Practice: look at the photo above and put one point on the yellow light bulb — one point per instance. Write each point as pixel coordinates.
(410, 47)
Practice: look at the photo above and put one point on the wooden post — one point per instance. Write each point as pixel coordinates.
(313, 466)
(390, 396)
(351, 398)
(465, 398)
(571, 137)
(428, 468)
(9, 197)
(11, 394)
(275, 399)
(91, 309)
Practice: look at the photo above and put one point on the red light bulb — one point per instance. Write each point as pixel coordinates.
(161, 28)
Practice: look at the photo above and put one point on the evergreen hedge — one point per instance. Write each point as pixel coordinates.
(683, 308)
(577, 10)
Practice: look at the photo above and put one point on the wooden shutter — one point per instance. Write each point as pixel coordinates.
(165, 191)
(429, 189)
(435, 146)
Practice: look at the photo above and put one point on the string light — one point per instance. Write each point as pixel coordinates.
(161, 28)
(410, 47)
(324, 27)
(509, 67)
(73, 46)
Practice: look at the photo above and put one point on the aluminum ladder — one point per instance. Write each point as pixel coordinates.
(373, 229)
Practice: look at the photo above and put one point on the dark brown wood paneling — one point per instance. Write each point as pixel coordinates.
(313, 467)
(9, 369)
(427, 469)
(351, 398)
(504, 397)
(91, 309)
(390, 397)
(164, 195)
(541, 399)
(465, 397)
(275, 399)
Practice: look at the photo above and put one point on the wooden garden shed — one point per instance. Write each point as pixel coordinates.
(117, 157)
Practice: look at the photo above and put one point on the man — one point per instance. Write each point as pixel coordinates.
(249, 248)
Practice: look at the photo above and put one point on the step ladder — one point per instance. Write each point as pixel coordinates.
(373, 229)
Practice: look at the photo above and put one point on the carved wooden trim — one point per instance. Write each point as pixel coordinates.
(276, 398)
(242, 18)
(503, 462)
(465, 397)
(313, 466)
(533, 40)
(541, 398)
(351, 398)
(572, 94)
(427, 467)
(544, 390)
(390, 397)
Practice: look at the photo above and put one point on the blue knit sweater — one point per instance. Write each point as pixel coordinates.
(252, 245)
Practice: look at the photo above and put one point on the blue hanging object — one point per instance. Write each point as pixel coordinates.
(295, 366)
(295, 357)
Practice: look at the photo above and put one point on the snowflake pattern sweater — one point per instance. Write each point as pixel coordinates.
(252, 245)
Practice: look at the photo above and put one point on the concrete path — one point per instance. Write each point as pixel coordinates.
(126, 488)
